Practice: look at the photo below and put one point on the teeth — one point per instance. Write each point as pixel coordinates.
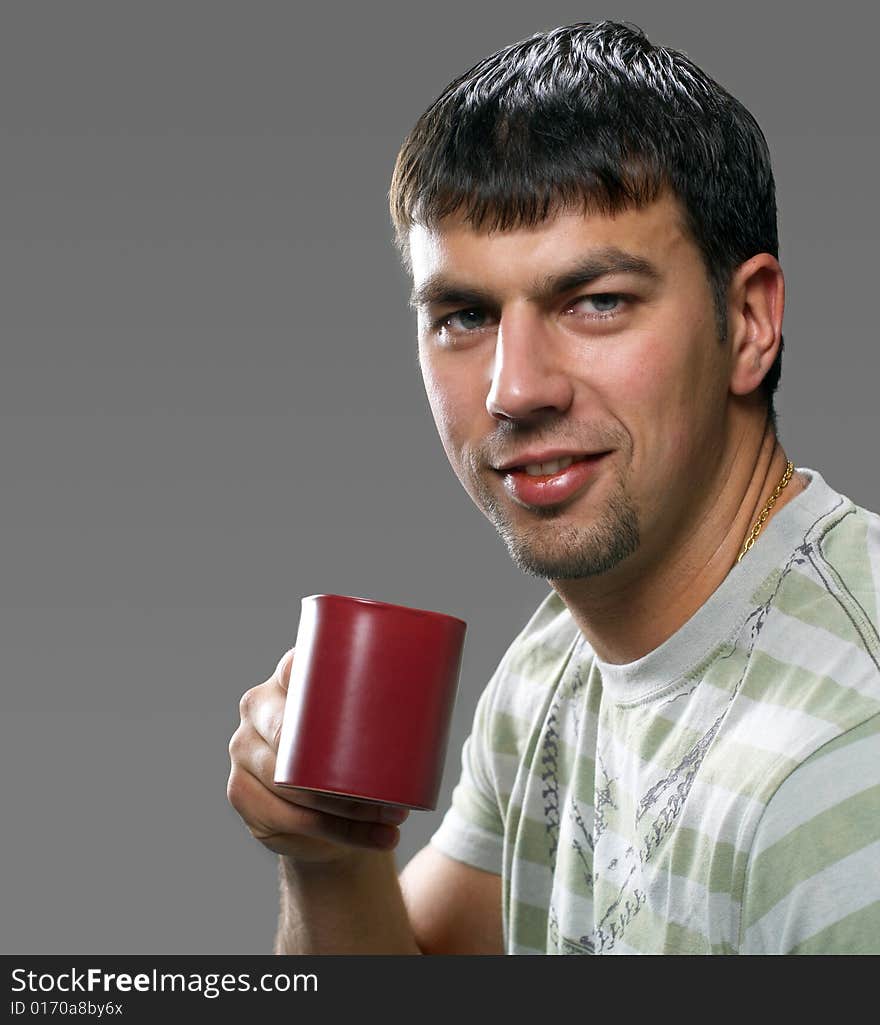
(544, 469)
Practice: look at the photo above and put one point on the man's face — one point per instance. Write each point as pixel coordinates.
(576, 379)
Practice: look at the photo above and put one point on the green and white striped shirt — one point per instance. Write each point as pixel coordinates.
(719, 795)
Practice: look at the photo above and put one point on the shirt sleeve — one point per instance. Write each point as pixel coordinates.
(813, 881)
(472, 830)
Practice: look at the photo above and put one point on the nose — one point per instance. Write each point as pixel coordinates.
(528, 383)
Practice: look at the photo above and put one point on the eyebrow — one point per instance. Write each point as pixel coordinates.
(439, 290)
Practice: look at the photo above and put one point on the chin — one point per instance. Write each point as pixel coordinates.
(572, 553)
(549, 542)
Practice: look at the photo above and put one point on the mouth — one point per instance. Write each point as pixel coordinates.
(551, 480)
(548, 468)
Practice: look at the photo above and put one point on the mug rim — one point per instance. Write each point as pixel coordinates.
(386, 605)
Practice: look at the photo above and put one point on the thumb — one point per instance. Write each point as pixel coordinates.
(282, 670)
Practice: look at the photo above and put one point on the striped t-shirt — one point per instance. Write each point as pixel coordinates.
(720, 794)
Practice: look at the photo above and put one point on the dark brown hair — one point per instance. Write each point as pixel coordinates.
(593, 113)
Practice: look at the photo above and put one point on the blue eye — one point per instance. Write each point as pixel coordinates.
(470, 320)
(604, 302)
(600, 306)
(462, 322)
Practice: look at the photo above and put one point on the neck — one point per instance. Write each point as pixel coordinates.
(633, 609)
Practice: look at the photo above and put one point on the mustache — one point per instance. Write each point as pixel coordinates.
(510, 438)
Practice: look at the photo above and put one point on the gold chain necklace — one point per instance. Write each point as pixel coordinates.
(765, 512)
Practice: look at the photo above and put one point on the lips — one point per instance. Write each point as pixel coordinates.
(538, 457)
(550, 467)
(550, 481)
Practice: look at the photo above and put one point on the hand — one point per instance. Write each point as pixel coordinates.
(304, 826)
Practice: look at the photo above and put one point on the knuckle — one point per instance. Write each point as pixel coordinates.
(243, 705)
(346, 830)
(352, 833)
(357, 810)
(235, 743)
(248, 702)
(306, 821)
(313, 823)
(235, 789)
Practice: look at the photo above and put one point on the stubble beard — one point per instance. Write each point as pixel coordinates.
(568, 551)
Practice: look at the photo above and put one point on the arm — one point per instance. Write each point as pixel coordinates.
(439, 906)
(351, 906)
(453, 908)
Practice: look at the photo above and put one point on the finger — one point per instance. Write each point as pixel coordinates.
(250, 751)
(269, 818)
(260, 761)
(282, 670)
(262, 707)
(345, 807)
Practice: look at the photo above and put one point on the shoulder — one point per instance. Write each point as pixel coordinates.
(812, 884)
(812, 639)
(835, 568)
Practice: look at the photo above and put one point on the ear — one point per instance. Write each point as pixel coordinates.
(755, 302)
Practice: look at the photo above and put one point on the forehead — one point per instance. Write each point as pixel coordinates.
(654, 232)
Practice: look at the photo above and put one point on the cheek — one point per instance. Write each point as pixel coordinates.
(693, 389)
(457, 420)
(659, 393)
(447, 407)
(638, 384)
(438, 400)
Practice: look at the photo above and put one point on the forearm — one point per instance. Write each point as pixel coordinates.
(350, 907)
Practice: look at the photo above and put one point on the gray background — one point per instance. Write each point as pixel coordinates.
(211, 406)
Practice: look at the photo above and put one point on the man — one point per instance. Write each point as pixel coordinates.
(681, 750)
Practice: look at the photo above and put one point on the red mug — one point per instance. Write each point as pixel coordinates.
(372, 687)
